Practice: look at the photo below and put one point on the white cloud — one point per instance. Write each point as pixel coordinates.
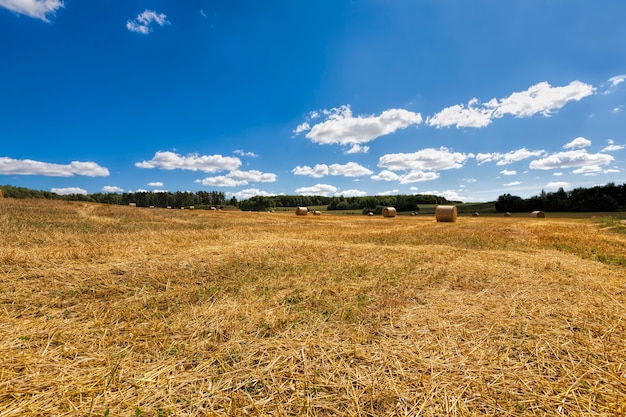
(618, 79)
(613, 148)
(194, 162)
(618, 108)
(340, 127)
(9, 166)
(462, 116)
(588, 170)
(540, 98)
(69, 190)
(353, 193)
(507, 158)
(570, 159)
(155, 184)
(39, 9)
(304, 127)
(351, 169)
(391, 192)
(111, 189)
(385, 175)
(428, 159)
(317, 189)
(512, 184)
(451, 195)
(507, 172)
(418, 176)
(558, 174)
(249, 193)
(236, 178)
(240, 152)
(579, 142)
(142, 23)
(556, 185)
(356, 148)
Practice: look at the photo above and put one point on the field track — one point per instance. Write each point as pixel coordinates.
(120, 311)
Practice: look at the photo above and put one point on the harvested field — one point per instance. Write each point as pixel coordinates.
(120, 311)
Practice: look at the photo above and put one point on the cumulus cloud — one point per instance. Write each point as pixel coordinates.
(69, 190)
(317, 189)
(9, 166)
(143, 22)
(588, 170)
(579, 142)
(155, 184)
(391, 192)
(571, 159)
(612, 148)
(194, 162)
(341, 127)
(236, 178)
(540, 98)
(385, 175)
(38, 9)
(513, 183)
(356, 148)
(111, 189)
(249, 193)
(353, 193)
(451, 195)
(428, 159)
(556, 185)
(507, 158)
(507, 172)
(351, 169)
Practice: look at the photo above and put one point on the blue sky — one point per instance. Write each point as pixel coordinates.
(469, 100)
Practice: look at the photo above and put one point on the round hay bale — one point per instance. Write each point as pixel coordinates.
(317, 213)
(370, 214)
(538, 214)
(301, 211)
(507, 214)
(389, 212)
(475, 214)
(446, 213)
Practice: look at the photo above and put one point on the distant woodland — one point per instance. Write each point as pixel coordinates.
(609, 197)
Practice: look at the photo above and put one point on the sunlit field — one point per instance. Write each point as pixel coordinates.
(120, 311)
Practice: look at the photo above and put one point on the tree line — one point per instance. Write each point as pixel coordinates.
(365, 204)
(198, 199)
(608, 197)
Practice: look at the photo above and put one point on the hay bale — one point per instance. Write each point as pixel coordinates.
(317, 213)
(446, 213)
(132, 204)
(370, 213)
(475, 214)
(507, 214)
(389, 212)
(213, 208)
(302, 211)
(538, 214)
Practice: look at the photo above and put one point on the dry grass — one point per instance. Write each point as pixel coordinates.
(124, 312)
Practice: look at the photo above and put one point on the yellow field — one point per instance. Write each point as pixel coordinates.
(125, 311)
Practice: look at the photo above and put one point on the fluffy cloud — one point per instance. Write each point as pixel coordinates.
(111, 189)
(236, 178)
(512, 184)
(9, 166)
(571, 159)
(69, 190)
(353, 193)
(341, 127)
(507, 172)
(507, 158)
(418, 176)
(425, 160)
(579, 142)
(249, 193)
(142, 23)
(385, 175)
(240, 152)
(612, 148)
(556, 185)
(317, 189)
(39, 9)
(351, 169)
(194, 162)
(356, 148)
(155, 184)
(540, 98)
